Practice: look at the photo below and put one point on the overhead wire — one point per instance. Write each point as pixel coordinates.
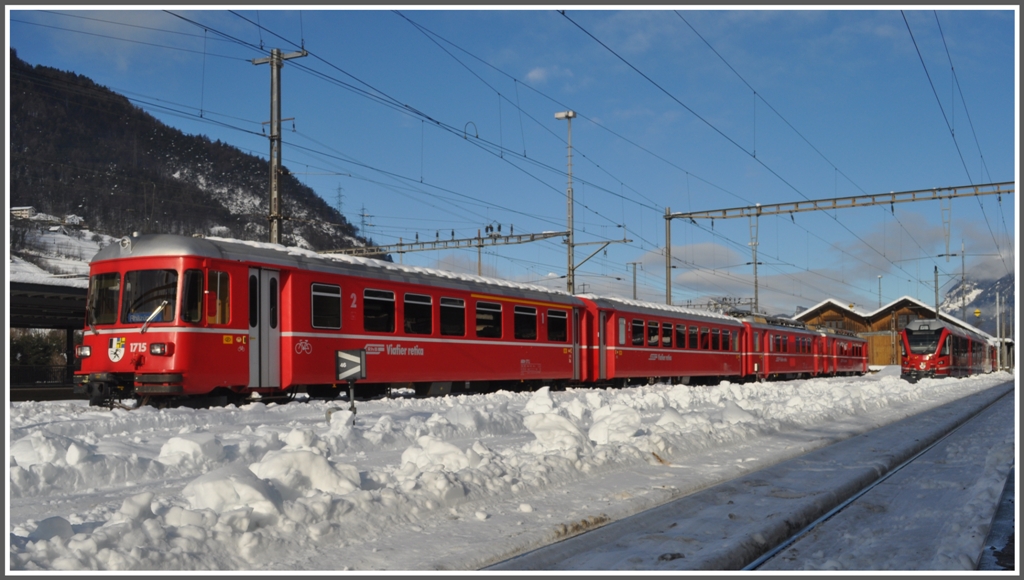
(760, 96)
(970, 122)
(499, 148)
(719, 131)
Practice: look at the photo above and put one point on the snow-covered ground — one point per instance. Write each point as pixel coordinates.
(405, 484)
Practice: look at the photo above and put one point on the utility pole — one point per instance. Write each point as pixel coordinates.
(634, 264)
(936, 292)
(754, 221)
(999, 337)
(571, 270)
(276, 61)
(963, 281)
(668, 260)
(339, 198)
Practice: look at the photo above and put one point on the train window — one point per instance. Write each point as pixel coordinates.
(638, 332)
(525, 322)
(945, 347)
(757, 341)
(666, 334)
(104, 290)
(652, 333)
(693, 343)
(735, 341)
(770, 341)
(622, 331)
(418, 315)
(378, 310)
(273, 303)
(715, 344)
(558, 325)
(680, 336)
(705, 339)
(325, 306)
(488, 320)
(149, 295)
(218, 298)
(254, 301)
(726, 340)
(192, 297)
(453, 317)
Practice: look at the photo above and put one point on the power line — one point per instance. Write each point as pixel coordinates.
(124, 39)
(717, 130)
(973, 132)
(790, 125)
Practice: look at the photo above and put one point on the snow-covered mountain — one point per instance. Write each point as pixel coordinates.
(80, 149)
(969, 295)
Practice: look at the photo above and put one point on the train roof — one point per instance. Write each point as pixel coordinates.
(934, 324)
(656, 308)
(156, 245)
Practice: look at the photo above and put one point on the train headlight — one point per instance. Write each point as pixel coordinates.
(82, 351)
(161, 348)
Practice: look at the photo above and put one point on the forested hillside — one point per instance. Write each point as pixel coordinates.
(78, 148)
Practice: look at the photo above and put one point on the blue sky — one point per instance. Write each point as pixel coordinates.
(432, 120)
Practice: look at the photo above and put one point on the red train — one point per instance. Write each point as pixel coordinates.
(932, 348)
(175, 317)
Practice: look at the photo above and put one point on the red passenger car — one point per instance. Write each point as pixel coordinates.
(780, 349)
(172, 316)
(845, 353)
(637, 342)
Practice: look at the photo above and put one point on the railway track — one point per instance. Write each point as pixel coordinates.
(892, 522)
(750, 522)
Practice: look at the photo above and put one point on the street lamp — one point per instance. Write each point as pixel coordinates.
(568, 116)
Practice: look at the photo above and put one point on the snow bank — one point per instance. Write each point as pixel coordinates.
(266, 486)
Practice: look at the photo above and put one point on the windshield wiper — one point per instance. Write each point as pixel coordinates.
(159, 309)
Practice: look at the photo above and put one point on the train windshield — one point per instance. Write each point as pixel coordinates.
(104, 290)
(149, 295)
(923, 341)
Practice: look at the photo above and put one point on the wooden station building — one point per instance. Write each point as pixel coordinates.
(881, 328)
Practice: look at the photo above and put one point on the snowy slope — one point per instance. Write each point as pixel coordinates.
(404, 484)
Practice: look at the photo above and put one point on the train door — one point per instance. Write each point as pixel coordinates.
(264, 328)
(602, 343)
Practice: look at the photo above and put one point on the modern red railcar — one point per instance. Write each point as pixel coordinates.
(629, 342)
(932, 348)
(174, 316)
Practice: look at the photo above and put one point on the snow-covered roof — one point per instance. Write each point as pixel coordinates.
(890, 306)
(659, 306)
(370, 262)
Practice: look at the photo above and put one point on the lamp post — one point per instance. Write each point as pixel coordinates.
(570, 271)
